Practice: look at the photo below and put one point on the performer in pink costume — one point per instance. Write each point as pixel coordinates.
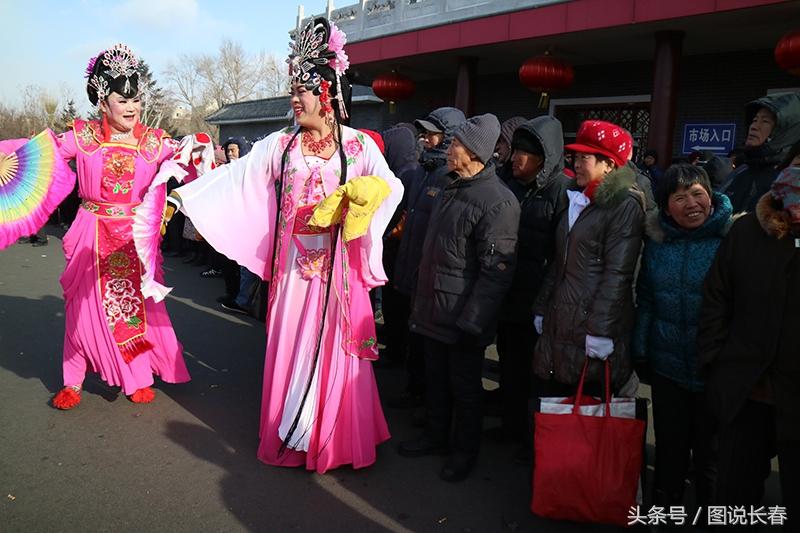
(111, 329)
(320, 404)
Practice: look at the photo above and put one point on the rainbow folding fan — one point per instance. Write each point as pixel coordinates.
(34, 180)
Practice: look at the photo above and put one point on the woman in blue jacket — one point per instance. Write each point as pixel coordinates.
(682, 240)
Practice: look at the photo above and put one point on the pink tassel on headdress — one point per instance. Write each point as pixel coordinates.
(340, 98)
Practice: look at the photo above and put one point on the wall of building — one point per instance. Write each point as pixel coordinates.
(713, 88)
(716, 88)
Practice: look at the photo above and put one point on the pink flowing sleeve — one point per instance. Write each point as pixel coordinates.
(372, 242)
(234, 207)
(67, 146)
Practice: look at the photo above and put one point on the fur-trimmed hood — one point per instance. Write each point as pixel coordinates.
(616, 186)
(659, 227)
(773, 219)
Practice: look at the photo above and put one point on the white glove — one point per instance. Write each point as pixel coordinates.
(538, 322)
(599, 347)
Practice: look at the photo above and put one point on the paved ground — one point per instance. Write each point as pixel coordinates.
(187, 461)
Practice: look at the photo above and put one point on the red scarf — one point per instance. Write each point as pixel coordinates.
(592, 187)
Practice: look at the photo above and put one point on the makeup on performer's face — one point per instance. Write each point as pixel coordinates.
(305, 104)
(123, 113)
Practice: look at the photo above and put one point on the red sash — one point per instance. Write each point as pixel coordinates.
(120, 277)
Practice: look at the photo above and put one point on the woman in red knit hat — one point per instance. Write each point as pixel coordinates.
(585, 306)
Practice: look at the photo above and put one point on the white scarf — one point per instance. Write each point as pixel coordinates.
(577, 203)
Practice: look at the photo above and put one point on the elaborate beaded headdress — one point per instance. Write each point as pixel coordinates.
(317, 55)
(115, 69)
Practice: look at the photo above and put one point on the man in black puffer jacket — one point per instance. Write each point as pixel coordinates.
(540, 187)
(402, 158)
(467, 266)
(418, 202)
(773, 126)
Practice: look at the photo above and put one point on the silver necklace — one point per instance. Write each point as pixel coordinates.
(120, 136)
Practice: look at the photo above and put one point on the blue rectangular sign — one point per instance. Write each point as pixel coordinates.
(717, 138)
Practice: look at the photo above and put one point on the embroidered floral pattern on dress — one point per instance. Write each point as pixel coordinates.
(314, 264)
(150, 146)
(115, 211)
(119, 272)
(119, 265)
(85, 136)
(90, 206)
(314, 193)
(117, 187)
(284, 140)
(353, 148)
(368, 343)
(120, 303)
(119, 167)
(287, 204)
(109, 210)
(119, 164)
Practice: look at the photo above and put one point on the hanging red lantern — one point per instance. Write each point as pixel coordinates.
(546, 73)
(393, 87)
(787, 52)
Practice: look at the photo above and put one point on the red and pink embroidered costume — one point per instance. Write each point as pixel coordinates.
(111, 329)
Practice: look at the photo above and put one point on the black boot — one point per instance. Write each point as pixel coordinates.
(457, 467)
(421, 447)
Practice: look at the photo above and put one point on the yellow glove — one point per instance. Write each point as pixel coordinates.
(172, 205)
(362, 196)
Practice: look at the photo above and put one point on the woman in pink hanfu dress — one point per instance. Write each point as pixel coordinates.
(111, 329)
(320, 404)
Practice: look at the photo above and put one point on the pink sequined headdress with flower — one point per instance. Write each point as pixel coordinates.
(113, 70)
(317, 55)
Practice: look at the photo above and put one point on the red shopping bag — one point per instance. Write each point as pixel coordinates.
(586, 468)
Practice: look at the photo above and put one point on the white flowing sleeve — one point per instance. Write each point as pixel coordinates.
(234, 207)
(375, 165)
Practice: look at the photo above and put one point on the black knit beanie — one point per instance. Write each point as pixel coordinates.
(527, 142)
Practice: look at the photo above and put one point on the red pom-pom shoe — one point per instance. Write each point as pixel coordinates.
(67, 398)
(145, 395)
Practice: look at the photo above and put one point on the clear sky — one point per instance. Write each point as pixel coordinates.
(48, 43)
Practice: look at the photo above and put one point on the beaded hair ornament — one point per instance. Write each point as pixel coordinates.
(319, 44)
(116, 62)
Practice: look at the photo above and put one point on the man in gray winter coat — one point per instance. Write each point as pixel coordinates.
(467, 266)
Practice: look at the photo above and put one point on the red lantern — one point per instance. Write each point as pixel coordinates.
(393, 87)
(545, 73)
(787, 52)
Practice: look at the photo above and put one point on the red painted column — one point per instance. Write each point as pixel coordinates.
(666, 74)
(465, 84)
